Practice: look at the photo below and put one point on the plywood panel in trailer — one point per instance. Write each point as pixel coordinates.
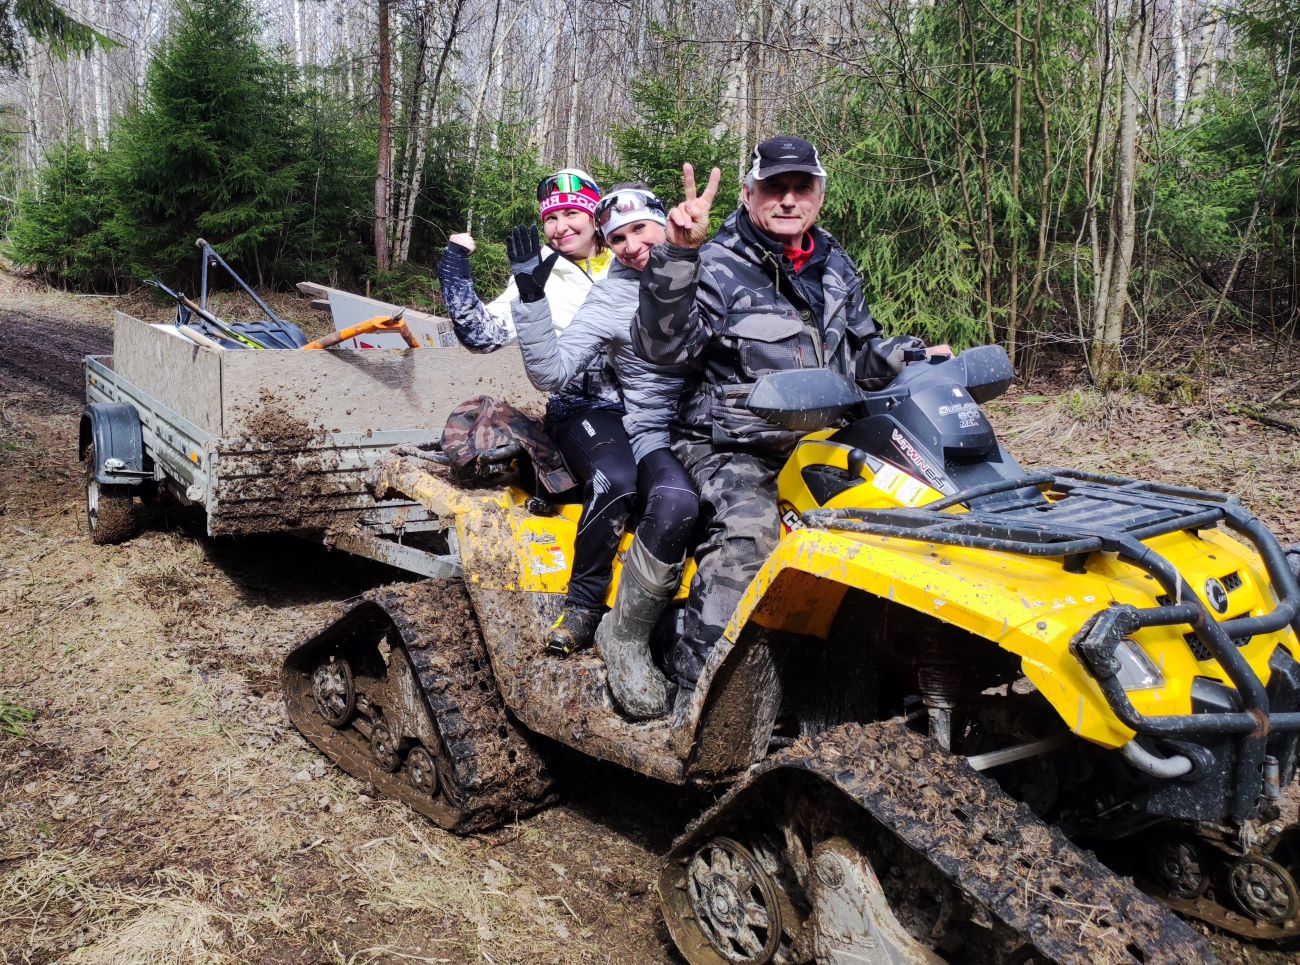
(181, 375)
(355, 390)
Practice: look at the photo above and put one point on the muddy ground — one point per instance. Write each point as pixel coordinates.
(159, 808)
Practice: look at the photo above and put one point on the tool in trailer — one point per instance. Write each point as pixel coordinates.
(380, 323)
(188, 307)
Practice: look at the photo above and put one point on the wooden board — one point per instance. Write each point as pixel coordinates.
(178, 373)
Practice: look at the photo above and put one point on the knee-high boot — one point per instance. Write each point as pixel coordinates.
(644, 589)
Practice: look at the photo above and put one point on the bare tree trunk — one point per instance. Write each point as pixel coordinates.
(1204, 69)
(1122, 228)
(384, 173)
(571, 121)
(34, 154)
(77, 82)
(1178, 41)
(295, 14)
(1013, 255)
(416, 131)
(492, 77)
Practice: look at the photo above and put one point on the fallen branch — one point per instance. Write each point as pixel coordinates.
(1256, 412)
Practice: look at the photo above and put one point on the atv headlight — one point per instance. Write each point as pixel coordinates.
(1136, 671)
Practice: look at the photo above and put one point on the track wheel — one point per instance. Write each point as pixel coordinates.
(735, 902)
(1264, 889)
(335, 692)
(1179, 867)
(422, 771)
(384, 748)
(110, 510)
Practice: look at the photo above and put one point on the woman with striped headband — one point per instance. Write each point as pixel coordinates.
(622, 455)
(567, 203)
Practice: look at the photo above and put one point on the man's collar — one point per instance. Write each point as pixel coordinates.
(752, 234)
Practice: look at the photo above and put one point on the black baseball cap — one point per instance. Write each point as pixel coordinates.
(783, 153)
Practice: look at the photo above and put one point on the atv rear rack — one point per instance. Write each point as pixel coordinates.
(1099, 513)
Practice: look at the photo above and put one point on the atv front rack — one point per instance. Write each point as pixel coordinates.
(1098, 513)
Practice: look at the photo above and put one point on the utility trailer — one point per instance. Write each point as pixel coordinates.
(276, 440)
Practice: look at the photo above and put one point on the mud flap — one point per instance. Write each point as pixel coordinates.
(399, 692)
(113, 430)
(1022, 875)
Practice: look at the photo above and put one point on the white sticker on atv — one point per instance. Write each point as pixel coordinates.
(894, 482)
(549, 560)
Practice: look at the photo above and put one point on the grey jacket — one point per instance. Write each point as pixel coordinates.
(650, 392)
(736, 309)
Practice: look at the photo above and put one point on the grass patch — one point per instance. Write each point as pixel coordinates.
(13, 719)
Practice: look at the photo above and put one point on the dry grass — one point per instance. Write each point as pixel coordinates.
(159, 808)
(68, 905)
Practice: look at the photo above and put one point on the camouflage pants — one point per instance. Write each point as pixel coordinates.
(741, 528)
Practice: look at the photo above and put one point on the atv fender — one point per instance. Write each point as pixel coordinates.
(113, 428)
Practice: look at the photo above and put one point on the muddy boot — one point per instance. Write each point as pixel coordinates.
(644, 589)
(573, 631)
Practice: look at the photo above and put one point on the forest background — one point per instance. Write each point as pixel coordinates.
(1102, 175)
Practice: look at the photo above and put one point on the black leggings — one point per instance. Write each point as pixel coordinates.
(596, 449)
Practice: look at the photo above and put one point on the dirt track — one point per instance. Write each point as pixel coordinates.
(48, 352)
(161, 809)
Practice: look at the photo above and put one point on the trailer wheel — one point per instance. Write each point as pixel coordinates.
(110, 510)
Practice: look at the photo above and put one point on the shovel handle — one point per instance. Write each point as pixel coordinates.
(380, 323)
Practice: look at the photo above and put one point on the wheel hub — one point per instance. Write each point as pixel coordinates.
(383, 748)
(725, 903)
(422, 771)
(335, 692)
(735, 902)
(1264, 889)
(1178, 869)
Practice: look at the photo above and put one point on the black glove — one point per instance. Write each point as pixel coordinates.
(525, 252)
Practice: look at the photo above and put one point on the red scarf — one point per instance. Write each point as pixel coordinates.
(799, 255)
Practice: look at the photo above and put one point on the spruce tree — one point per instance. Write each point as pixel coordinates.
(214, 150)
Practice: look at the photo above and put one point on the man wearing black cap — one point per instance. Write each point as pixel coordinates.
(770, 291)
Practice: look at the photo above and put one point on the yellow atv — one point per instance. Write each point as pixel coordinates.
(947, 673)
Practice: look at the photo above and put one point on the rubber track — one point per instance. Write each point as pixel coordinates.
(496, 774)
(1059, 898)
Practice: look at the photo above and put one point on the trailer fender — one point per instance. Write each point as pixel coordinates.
(114, 429)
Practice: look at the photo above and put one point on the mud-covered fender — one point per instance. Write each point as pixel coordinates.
(114, 429)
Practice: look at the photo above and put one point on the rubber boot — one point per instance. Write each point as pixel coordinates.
(623, 637)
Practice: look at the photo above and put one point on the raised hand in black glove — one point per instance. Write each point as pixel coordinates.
(524, 249)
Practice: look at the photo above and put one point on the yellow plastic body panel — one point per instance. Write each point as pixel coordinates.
(887, 488)
(542, 546)
(1030, 607)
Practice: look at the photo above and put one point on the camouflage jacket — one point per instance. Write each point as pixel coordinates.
(737, 309)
